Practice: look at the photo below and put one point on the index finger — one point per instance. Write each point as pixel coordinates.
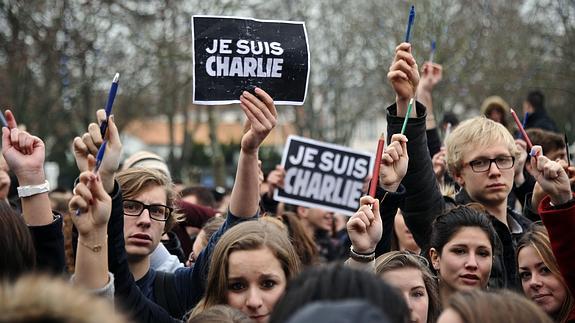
(403, 46)
(10, 119)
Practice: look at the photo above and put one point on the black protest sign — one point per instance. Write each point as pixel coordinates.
(323, 175)
(233, 54)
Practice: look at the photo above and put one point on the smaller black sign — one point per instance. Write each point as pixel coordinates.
(323, 175)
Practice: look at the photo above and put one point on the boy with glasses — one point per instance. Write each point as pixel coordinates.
(480, 157)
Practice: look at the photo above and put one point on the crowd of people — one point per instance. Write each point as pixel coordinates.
(472, 228)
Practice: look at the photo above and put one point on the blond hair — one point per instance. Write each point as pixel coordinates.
(472, 134)
(133, 181)
(538, 238)
(34, 298)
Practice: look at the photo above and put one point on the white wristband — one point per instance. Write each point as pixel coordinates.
(31, 190)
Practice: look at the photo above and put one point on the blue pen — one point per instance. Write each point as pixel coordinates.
(410, 24)
(432, 52)
(99, 157)
(111, 97)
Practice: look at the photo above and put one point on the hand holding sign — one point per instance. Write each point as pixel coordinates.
(403, 76)
(394, 163)
(262, 118)
(365, 227)
(275, 180)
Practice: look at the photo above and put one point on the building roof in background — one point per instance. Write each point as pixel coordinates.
(155, 132)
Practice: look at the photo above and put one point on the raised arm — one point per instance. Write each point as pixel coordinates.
(261, 113)
(423, 200)
(557, 210)
(431, 74)
(94, 206)
(366, 227)
(24, 155)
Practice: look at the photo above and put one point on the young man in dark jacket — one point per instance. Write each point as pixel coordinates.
(480, 157)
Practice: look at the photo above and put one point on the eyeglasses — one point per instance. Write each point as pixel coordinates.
(484, 164)
(157, 212)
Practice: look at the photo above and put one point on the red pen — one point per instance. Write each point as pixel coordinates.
(522, 130)
(375, 174)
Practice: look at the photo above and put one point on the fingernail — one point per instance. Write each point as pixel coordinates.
(533, 152)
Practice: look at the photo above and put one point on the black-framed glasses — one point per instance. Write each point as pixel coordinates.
(158, 212)
(484, 164)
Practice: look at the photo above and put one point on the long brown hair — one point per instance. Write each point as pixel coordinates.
(302, 242)
(538, 238)
(249, 235)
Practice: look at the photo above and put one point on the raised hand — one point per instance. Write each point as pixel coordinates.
(93, 202)
(91, 221)
(365, 227)
(23, 153)
(262, 118)
(431, 74)
(394, 163)
(551, 177)
(403, 76)
(439, 164)
(520, 162)
(89, 143)
(275, 179)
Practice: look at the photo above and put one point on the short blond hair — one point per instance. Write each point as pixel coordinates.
(134, 181)
(473, 133)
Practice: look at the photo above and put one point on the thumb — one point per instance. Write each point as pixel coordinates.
(113, 134)
(10, 119)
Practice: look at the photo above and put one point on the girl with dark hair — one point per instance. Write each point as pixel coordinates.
(461, 250)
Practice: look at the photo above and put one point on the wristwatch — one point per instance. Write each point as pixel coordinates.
(30, 190)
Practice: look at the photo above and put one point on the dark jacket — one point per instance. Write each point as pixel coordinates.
(49, 245)
(423, 200)
(541, 120)
(139, 301)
